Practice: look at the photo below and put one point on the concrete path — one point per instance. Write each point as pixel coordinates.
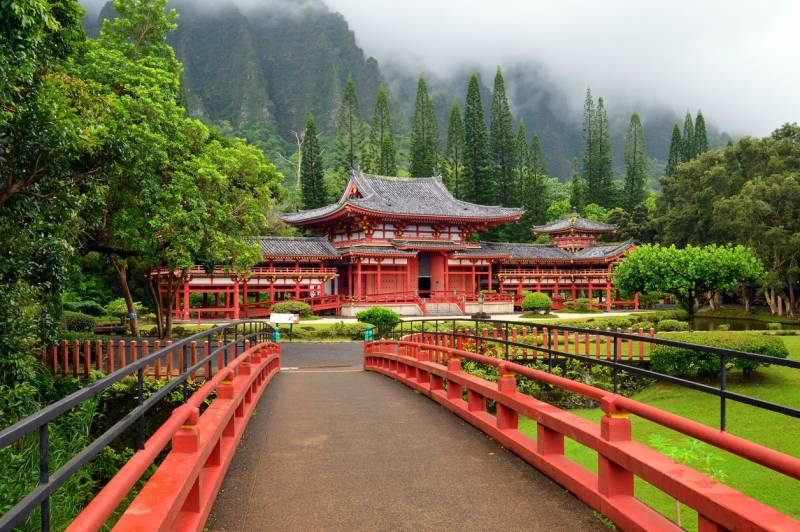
(334, 448)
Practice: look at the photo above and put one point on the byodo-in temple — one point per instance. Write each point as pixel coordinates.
(405, 243)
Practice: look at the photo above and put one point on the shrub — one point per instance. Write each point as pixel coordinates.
(672, 325)
(581, 304)
(119, 308)
(724, 327)
(687, 362)
(77, 321)
(383, 318)
(537, 301)
(774, 326)
(292, 307)
(92, 308)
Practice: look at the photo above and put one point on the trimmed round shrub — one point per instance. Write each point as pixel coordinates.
(724, 327)
(688, 362)
(292, 307)
(774, 326)
(78, 322)
(672, 325)
(383, 318)
(582, 304)
(537, 301)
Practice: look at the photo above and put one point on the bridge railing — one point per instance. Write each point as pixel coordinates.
(624, 352)
(432, 364)
(233, 337)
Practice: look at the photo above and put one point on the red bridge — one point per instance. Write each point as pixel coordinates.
(331, 446)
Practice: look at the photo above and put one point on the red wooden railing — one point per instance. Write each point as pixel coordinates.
(180, 494)
(435, 371)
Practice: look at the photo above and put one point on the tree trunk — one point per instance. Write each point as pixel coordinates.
(122, 275)
(779, 300)
(158, 304)
(746, 297)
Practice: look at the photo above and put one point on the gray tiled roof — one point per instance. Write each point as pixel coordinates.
(544, 252)
(422, 196)
(574, 222)
(601, 252)
(428, 244)
(296, 246)
(378, 250)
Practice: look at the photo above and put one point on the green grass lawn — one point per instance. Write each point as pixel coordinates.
(777, 384)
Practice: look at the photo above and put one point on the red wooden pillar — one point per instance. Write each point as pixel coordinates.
(408, 275)
(636, 301)
(378, 288)
(608, 295)
(472, 287)
(447, 273)
(186, 300)
(490, 275)
(358, 278)
(236, 300)
(574, 290)
(590, 291)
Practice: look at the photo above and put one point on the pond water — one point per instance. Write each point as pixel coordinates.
(711, 324)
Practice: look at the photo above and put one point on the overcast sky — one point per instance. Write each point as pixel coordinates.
(739, 61)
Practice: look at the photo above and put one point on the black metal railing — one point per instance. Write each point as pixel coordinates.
(450, 328)
(233, 335)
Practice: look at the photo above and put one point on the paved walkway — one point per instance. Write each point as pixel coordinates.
(334, 448)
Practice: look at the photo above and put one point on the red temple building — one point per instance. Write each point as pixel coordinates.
(405, 243)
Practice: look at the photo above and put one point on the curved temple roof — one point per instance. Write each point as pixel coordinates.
(296, 246)
(544, 251)
(574, 222)
(412, 196)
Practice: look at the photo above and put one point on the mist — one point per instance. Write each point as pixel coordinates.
(737, 61)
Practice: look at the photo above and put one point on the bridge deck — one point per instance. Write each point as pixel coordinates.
(332, 447)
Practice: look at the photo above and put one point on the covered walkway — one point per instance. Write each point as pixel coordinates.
(332, 447)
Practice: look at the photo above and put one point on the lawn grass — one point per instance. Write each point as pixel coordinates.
(777, 384)
(737, 313)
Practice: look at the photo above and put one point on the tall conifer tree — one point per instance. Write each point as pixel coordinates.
(476, 157)
(501, 143)
(312, 184)
(523, 165)
(601, 191)
(577, 188)
(688, 153)
(350, 130)
(675, 151)
(700, 135)
(589, 140)
(537, 159)
(380, 154)
(635, 164)
(424, 134)
(454, 152)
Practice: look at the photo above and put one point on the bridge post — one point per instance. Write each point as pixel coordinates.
(507, 418)
(453, 389)
(613, 479)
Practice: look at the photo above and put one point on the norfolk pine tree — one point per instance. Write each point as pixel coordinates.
(501, 143)
(675, 150)
(380, 153)
(589, 142)
(635, 164)
(349, 131)
(700, 135)
(537, 159)
(424, 134)
(454, 152)
(476, 157)
(577, 188)
(688, 153)
(311, 172)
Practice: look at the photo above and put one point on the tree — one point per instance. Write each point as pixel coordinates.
(675, 150)
(635, 164)
(700, 135)
(693, 275)
(689, 149)
(590, 171)
(577, 188)
(349, 131)
(424, 135)
(501, 143)
(537, 159)
(380, 154)
(454, 152)
(311, 171)
(598, 172)
(476, 158)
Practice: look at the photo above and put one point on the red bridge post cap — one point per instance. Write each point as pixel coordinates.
(609, 406)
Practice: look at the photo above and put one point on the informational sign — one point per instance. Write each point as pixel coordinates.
(284, 318)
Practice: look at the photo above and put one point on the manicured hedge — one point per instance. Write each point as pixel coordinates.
(581, 304)
(537, 301)
(383, 318)
(292, 307)
(77, 321)
(687, 362)
(672, 325)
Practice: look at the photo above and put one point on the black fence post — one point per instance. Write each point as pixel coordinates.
(507, 340)
(550, 349)
(723, 386)
(44, 474)
(616, 362)
(140, 402)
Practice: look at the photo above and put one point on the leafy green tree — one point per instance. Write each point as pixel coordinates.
(577, 188)
(693, 275)
(350, 134)
(424, 135)
(675, 150)
(311, 171)
(689, 149)
(454, 153)
(380, 155)
(700, 135)
(501, 143)
(476, 156)
(635, 164)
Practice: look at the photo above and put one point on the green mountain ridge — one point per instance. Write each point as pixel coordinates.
(257, 74)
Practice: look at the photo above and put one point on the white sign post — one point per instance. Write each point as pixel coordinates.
(291, 319)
